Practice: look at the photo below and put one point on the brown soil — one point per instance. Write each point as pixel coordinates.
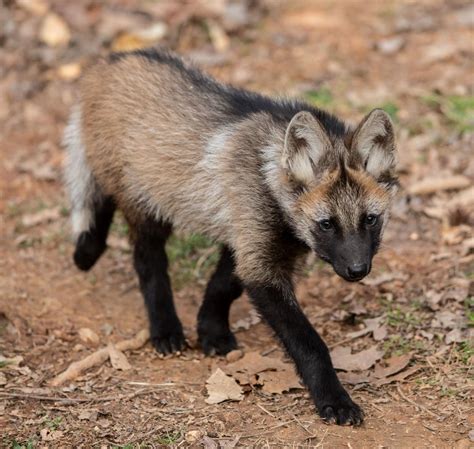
(292, 47)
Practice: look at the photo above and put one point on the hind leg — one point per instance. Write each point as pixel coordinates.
(91, 244)
(223, 288)
(151, 264)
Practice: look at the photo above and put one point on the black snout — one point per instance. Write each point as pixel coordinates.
(357, 271)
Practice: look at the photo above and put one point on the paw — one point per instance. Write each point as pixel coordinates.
(342, 411)
(169, 342)
(217, 343)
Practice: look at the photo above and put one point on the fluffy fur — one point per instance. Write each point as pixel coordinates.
(269, 179)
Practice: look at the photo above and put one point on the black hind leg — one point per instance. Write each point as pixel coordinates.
(92, 243)
(223, 288)
(151, 264)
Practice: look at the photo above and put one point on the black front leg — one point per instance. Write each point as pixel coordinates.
(278, 306)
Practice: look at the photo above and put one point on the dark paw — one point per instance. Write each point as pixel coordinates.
(170, 342)
(342, 411)
(217, 343)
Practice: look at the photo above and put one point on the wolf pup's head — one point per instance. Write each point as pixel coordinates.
(338, 190)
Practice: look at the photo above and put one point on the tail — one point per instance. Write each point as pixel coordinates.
(91, 211)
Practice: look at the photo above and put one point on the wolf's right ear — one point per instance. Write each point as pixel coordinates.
(306, 143)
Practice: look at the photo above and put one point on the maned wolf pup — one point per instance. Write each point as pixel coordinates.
(269, 179)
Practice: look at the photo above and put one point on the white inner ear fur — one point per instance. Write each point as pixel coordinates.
(301, 160)
(377, 157)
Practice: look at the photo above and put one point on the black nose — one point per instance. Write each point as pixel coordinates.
(357, 271)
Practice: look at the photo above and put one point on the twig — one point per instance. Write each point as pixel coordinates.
(75, 369)
(74, 400)
(421, 407)
(269, 351)
(345, 340)
(301, 424)
(266, 411)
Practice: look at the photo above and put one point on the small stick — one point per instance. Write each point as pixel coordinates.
(75, 369)
(266, 411)
(421, 407)
(73, 400)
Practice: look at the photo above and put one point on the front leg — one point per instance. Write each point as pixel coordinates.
(278, 306)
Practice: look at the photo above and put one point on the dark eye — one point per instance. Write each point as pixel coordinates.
(325, 225)
(371, 220)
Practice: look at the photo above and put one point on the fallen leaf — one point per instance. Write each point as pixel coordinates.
(118, 359)
(252, 363)
(88, 336)
(352, 378)
(447, 320)
(371, 325)
(384, 278)
(54, 31)
(454, 336)
(246, 323)
(209, 443)
(221, 387)
(343, 359)
(50, 435)
(69, 72)
(380, 333)
(393, 366)
(88, 415)
(397, 378)
(276, 382)
(390, 45)
(433, 185)
(3, 379)
(140, 38)
(36, 7)
(43, 216)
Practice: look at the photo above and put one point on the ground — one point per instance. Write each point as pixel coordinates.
(412, 59)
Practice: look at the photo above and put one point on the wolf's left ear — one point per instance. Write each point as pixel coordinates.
(306, 144)
(374, 141)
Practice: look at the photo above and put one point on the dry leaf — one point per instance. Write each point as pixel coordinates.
(352, 378)
(380, 333)
(371, 325)
(397, 378)
(252, 363)
(137, 39)
(69, 72)
(447, 320)
(43, 216)
(88, 415)
(221, 387)
(37, 7)
(385, 277)
(88, 336)
(433, 185)
(54, 31)
(393, 366)
(209, 443)
(454, 336)
(50, 435)
(342, 358)
(277, 382)
(118, 359)
(245, 323)
(3, 379)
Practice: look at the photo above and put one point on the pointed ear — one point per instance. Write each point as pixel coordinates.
(374, 141)
(306, 143)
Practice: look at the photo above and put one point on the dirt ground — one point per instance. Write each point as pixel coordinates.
(414, 59)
